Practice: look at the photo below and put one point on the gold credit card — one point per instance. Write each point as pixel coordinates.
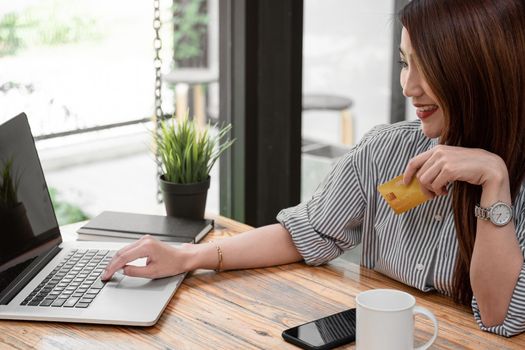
(401, 197)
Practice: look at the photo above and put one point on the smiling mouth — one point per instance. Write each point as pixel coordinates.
(425, 111)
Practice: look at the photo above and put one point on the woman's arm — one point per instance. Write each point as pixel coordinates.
(496, 259)
(265, 246)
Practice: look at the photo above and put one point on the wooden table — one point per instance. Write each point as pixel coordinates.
(249, 309)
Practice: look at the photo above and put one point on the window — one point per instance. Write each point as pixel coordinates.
(347, 53)
(83, 66)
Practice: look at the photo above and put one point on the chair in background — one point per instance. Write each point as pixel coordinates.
(326, 102)
(196, 79)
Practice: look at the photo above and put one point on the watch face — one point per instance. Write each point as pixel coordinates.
(500, 214)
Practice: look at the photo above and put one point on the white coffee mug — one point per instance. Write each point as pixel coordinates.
(385, 320)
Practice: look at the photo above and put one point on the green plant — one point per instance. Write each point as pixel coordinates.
(187, 154)
(66, 212)
(8, 187)
(47, 23)
(9, 37)
(190, 26)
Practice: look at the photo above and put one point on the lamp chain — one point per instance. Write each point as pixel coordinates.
(157, 63)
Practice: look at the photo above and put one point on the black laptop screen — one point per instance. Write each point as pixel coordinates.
(27, 218)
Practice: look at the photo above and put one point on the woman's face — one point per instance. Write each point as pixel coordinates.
(415, 86)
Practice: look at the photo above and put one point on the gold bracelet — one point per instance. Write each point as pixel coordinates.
(219, 257)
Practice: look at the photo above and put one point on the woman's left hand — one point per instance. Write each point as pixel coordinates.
(441, 165)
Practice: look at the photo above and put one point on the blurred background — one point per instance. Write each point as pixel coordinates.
(83, 72)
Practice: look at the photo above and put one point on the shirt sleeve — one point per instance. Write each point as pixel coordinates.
(323, 227)
(514, 322)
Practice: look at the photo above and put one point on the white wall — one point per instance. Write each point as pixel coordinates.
(347, 51)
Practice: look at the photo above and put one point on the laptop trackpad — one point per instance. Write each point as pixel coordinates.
(140, 283)
(137, 283)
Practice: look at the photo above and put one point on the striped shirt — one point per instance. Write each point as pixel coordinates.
(415, 248)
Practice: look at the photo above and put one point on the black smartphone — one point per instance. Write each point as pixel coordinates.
(325, 333)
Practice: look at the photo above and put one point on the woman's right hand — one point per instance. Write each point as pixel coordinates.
(264, 246)
(162, 260)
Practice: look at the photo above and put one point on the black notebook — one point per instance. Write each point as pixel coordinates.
(119, 226)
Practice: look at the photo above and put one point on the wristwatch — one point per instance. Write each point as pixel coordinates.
(498, 213)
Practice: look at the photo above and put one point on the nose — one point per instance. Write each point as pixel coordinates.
(411, 82)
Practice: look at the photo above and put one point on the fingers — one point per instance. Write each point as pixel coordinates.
(441, 183)
(414, 165)
(432, 169)
(121, 258)
(417, 166)
(158, 260)
(139, 271)
(442, 165)
(429, 194)
(436, 174)
(127, 248)
(427, 176)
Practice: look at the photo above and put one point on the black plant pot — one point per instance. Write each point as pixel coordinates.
(185, 200)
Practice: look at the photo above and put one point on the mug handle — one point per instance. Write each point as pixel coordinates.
(430, 316)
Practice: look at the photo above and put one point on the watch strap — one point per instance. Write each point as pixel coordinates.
(482, 213)
(488, 215)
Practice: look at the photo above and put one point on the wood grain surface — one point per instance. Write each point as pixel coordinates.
(249, 309)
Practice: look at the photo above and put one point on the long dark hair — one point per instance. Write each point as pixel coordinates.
(472, 54)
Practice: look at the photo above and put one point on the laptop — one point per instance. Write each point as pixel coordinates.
(43, 278)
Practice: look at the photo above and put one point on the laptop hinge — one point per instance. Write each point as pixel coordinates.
(27, 275)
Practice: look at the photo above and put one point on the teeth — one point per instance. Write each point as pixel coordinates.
(427, 108)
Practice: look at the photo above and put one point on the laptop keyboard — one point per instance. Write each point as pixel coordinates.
(74, 282)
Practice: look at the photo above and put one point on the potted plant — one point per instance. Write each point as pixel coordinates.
(13, 216)
(187, 155)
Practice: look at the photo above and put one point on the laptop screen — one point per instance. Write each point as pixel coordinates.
(27, 218)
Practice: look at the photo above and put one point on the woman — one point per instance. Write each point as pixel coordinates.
(463, 67)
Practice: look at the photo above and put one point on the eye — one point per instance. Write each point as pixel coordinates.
(403, 64)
